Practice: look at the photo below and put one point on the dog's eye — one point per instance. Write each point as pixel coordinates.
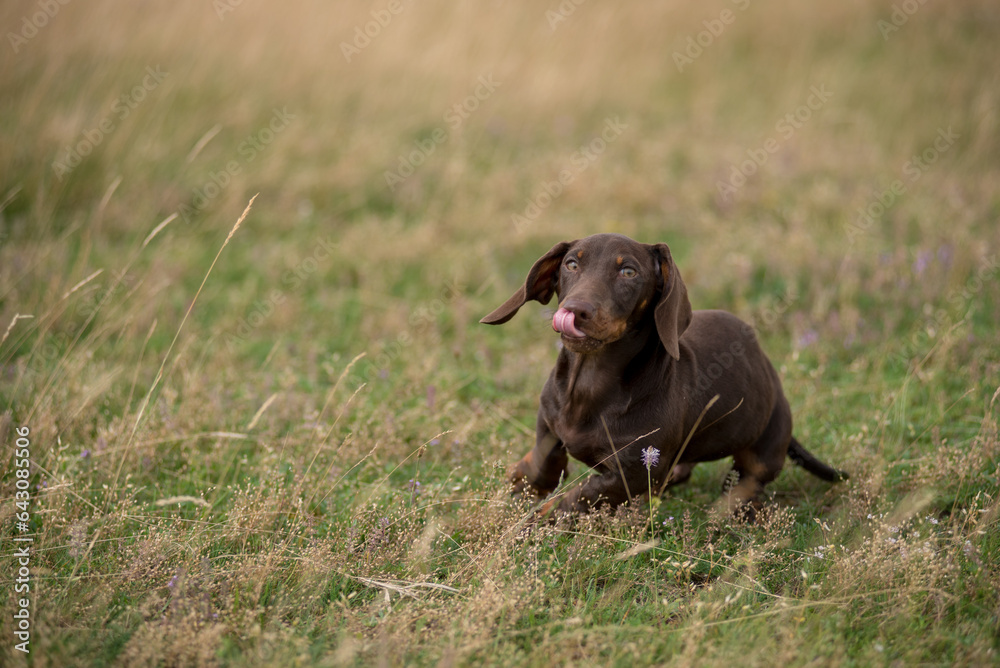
(572, 264)
(627, 272)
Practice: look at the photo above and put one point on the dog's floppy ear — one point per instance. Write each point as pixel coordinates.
(540, 285)
(673, 312)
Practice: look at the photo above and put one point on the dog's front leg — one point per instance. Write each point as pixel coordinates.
(541, 469)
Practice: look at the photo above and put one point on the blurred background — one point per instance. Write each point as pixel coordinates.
(828, 171)
(426, 141)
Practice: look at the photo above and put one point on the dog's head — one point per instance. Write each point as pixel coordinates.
(607, 284)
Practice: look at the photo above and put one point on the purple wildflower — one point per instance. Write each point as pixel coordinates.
(944, 255)
(650, 457)
(414, 489)
(809, 337)
(923, 260)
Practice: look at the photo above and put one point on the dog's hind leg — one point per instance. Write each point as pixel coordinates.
(759, 464)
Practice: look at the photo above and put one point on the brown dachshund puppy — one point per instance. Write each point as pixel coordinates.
(639, 370)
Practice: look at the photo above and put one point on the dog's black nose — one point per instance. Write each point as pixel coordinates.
(582, 310)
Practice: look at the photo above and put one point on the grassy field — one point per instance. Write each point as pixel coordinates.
(285, 443)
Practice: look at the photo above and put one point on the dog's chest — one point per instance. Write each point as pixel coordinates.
(588, 432)
(584, 441)
(595, 411)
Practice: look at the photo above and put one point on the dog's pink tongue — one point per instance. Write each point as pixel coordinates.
(563, 322)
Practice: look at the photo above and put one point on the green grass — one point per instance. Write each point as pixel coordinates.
(318, 476)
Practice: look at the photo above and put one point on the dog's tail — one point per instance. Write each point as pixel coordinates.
(806, 460)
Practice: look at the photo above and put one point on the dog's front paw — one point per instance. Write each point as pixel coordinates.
(520, 476)
(520, 488)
